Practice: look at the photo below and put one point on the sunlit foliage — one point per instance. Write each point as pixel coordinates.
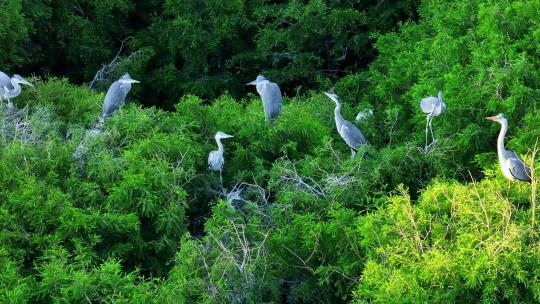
(127, 211)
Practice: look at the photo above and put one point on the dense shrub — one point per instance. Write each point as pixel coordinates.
(128, 212)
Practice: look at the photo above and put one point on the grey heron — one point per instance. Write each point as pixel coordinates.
(512, 166)
(10, 87)
(215, 158)
(116, 95)
(432, 106)
(270, 95)
(348, 131)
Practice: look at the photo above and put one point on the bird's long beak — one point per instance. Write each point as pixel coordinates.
(331, 96)
(254, 82)
(227, 136)
(27, 83)
(133, 81)
(491, 118)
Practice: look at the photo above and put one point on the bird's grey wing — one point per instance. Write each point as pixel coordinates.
(271, 96)
(518, 168)
(439, 108)
(109, 104)
(215, 161)
(352, 135)
(124, 90)
(427, 104)
(115, 97)
(5, 81)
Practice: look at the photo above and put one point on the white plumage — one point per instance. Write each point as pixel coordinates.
(432, 106)
(215, 158)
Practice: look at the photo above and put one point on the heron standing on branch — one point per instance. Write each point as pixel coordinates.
(349, 132)
(116, 95)
(512, 166)
(10, 87)
(432, 106)
(270, 95)
(215, 158)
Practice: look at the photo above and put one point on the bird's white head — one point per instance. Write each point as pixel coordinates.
(332, 96)
(21, 80)
(260, 79)
(220, 135)
(127, 79)
(499, 118)
(439, 96)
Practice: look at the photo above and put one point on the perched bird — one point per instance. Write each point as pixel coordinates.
(10, 87)
(432, 106)
(215, 158)
(116, 95)
(349, 132)
(270, 95)
(512, 166)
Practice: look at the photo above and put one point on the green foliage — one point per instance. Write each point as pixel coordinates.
(13, 34)
(126, 211)
(231, 264)
(481, 54)
(457, 244)
(194, 46)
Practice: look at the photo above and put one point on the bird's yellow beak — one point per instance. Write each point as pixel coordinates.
(491, 118)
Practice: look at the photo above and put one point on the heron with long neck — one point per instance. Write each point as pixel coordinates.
(270, 96)
(116, 95)
(10, 87)
(512, 166)
(215, 158)
(348, 131)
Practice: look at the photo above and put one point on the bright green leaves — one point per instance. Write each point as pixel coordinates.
(458, 243)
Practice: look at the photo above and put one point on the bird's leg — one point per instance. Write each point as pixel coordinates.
(431, 129)
(220, 179)
(509, 188)
(427, 125)
(353, 153)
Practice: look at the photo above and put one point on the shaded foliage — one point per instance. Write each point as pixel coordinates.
(199, 47)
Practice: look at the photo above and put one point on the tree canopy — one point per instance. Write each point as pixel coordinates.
(130, 213)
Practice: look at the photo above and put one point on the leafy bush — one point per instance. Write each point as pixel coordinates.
(127, 211)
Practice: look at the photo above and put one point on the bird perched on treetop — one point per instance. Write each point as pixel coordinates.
(116, 95)
(432, 106)
(348, 131)
(215, 158)
(270, 95)
(10, 87)
(512, 166)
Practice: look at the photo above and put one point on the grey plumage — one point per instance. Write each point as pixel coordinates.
(512, 166)
(348, 131)
(270, 96)
(10, 86)
(215, 158)
(432, 106)
(116, 95)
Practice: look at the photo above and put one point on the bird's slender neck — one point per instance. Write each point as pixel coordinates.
(219, 144)
(337, 115)
(500, 139)
(260, 86)
(16, 87)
